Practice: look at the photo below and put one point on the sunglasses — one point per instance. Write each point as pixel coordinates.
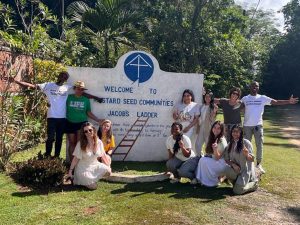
(88, 131)
(235, 93)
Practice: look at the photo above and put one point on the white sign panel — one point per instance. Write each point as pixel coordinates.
(138, 99)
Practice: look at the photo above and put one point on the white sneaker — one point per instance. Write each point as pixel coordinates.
(174, 180)
(194, 181)
(261, 169)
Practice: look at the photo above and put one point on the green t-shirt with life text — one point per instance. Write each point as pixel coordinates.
(77, 108)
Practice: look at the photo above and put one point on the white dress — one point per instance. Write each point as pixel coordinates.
(187, 114)
(88, 169)
(209, 169)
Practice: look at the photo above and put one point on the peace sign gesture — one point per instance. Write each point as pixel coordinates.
(215, 144)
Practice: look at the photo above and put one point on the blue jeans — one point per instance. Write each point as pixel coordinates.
(183, 168)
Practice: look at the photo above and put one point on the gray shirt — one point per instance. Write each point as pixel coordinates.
(247, 173)
(232, 113)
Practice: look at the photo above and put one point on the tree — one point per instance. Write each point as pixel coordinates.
(108, 25)
(281, 76)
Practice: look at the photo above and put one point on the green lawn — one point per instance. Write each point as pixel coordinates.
(151, 203)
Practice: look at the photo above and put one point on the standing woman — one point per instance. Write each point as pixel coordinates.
(208, 112)
(212, 165)
(231, 109)
(187, 113)
(106, 136)
(78, 111)
(88, 170)
(239, 157)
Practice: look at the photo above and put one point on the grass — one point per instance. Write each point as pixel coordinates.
(151, 203)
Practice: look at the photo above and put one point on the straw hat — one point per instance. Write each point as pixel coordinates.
(79, 84)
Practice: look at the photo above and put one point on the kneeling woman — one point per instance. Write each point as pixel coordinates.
(88, 170)
(182, 161)
(239, 157)
(212, 165)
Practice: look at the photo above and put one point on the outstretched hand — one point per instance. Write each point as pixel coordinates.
(99, 100)
(293, 100)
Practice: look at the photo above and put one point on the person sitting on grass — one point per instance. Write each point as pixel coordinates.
(240, 159)
(212, 165)
(105, 135)
(88, 170)
(182, 160)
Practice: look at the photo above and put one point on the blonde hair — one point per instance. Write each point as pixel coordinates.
(108, 134)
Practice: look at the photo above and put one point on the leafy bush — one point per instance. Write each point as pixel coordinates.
(40, 172)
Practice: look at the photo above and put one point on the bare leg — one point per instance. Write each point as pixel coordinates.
(72, 138)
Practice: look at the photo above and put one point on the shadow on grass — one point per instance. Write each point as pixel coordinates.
(179, 191)
(280, 145)
(295, 212)
(29, 191)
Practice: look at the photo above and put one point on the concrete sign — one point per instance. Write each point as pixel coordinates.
(138, 99)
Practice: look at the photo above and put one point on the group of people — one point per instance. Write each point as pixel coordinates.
(228, 152)
(194, 127)
(89, 150)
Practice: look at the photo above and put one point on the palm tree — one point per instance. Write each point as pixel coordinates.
(108, 25)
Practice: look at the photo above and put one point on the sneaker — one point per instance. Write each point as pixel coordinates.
(194, 181)
(260, 168)
(174, 180)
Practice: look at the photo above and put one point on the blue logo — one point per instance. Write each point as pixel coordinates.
(138, 67)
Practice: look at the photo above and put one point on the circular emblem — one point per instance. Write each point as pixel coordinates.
(138, 67)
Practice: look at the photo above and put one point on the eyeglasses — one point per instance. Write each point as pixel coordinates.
(88, 131)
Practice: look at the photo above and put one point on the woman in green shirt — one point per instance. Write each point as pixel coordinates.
(78, 111)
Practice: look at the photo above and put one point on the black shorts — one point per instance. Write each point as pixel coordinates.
(72, 128)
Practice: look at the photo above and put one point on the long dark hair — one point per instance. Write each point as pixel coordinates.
(211, 103)
(212, 139)
(83, 138)
(240, 143)
(190, 92)
(176, 146)
(108, 134)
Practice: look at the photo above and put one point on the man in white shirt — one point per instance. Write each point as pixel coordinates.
(253, 122)
(57, 94)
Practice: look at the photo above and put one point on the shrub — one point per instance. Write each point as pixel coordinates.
(40, 172)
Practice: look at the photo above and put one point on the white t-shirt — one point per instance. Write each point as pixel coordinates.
(186, 113)
(254, 109)
(187, 143)
(57, 98)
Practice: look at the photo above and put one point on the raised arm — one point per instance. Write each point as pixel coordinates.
(185, 151)
(23, 83)
(290, 101)
(98, 99)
